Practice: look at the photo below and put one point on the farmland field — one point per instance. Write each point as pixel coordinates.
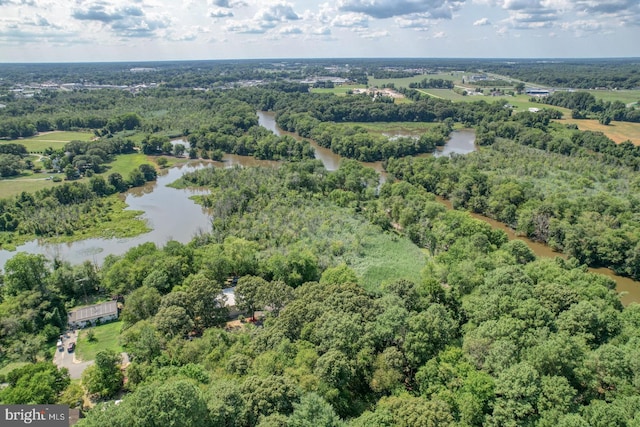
(626, 96)
(616, 131)
(405, 81)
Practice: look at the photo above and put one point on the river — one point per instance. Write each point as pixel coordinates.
(173, 216)
(168, 211)
(628, 288)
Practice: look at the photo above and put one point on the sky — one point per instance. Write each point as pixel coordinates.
(149, 30)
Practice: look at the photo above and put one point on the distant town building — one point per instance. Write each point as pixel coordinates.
(538, 92)
(93, 314)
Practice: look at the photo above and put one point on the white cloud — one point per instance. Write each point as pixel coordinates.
(389, 8)
(351, 20)
(375, 34)
(416, 22)
(127, 21)
(482, 22)
(290, 30)
(219, 12)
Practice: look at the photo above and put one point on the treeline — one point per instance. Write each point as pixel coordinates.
(537, 130)
(13, 159)
(311, 116)
(432, 84)
(67, 208)
(607, 73)
(584, 105)
(481, 339)
(578, 205)
(392, 74)
(64, 111)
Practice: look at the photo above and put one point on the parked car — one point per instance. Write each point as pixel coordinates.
(71, 347)
(60, 345)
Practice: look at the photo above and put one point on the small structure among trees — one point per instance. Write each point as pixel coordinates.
(93, 314)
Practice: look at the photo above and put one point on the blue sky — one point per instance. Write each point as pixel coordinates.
(125, 30)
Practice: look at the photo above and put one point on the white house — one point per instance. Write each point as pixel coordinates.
(90, 315)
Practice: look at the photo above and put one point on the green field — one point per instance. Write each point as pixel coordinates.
(414, 128)
(626, 96)
(56, 140)
(106, 338)
(125, 163)
(386, 258)
(11, 366)
(31, 182)
(447, 94)
(405, 81)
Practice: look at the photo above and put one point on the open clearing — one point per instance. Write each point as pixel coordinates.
(106, 338)
(626, 96)
(55, 140)
(413, 128)
(616, 131)
(30, 182)
(386, 258)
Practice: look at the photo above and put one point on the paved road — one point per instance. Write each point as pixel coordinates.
(64, 359)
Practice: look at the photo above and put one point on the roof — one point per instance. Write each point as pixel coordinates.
(93, 312)
(230, 293)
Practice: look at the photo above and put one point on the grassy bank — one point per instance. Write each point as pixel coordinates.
(110, 220)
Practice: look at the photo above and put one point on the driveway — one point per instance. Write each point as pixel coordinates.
(64, 359)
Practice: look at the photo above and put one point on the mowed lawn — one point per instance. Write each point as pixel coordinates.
(107, 337)
(30, 182)
(616, 131)
(55, 140)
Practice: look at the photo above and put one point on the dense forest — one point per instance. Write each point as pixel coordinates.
(481, 338)
(610, 73)
(362, 301)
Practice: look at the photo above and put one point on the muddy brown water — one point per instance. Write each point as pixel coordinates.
(628, 288)
(172, 215)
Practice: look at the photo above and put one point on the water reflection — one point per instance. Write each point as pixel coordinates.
(168, 211)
